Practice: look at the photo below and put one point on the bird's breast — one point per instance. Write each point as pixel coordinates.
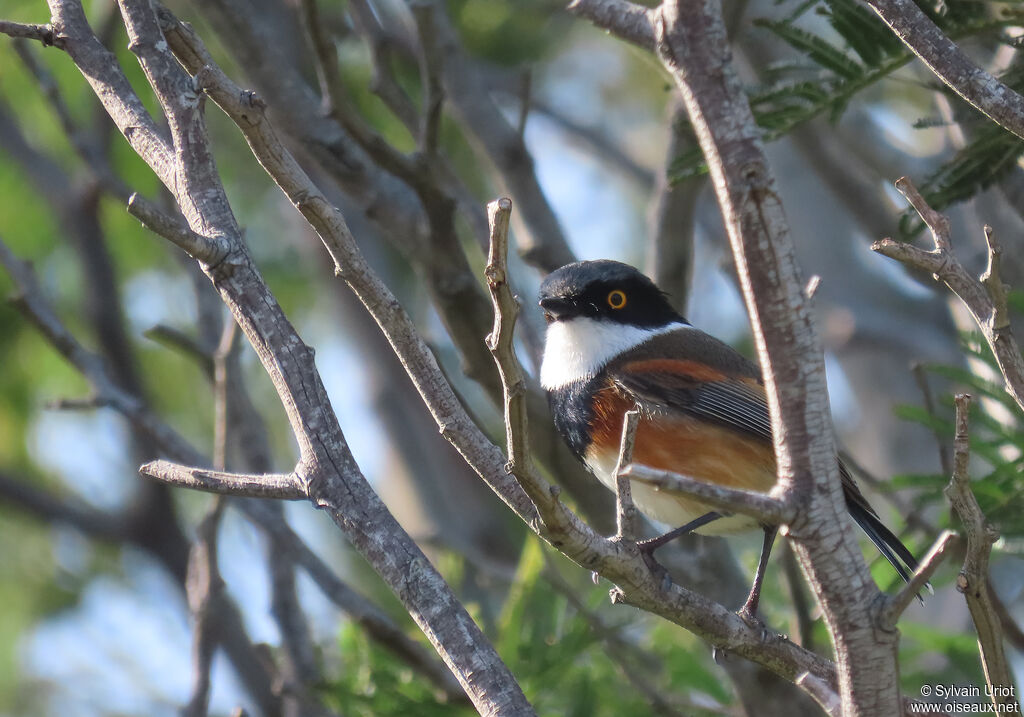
(671, 440)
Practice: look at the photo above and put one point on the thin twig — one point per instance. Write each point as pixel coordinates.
(757, 505)
(326, 57)
(177, 340)
(222, 360)
(89, 403)
(822, 692)
(627, 518)
(919, 581)
(798, 596)
(591, 138)
(524, 95)
(283, 486)
(30, 31)
(502, 347)
(1011, 629)
(209, 251)
(973, 578)
(54, 509)
(993, 282)
(626, 20)
(383, 82)
(980, 299)
(921, 376)
(672, 216)
(204, 587)
(430, 76)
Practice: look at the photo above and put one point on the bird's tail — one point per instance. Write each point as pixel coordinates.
(887, 543)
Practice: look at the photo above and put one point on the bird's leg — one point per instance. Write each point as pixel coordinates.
(647, 547)
(749, 610)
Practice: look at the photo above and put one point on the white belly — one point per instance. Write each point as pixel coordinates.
(664, 507)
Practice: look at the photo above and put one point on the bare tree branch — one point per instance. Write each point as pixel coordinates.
(204, 588)
(281, 486)
(672, 218)
(951, 65)
(87, 146)
(290, 547)
(628, 21)
(919, 581)
(798, 597)
(208, 251)
(29, 31)
(101, 69)
(822, 693)
(593, 139)
(985, 299)
(973, 579)
(430, 76)
(382, 47)
(378, 625)
(627, 517)
(767, 510)
(921, 376)
(500, 340)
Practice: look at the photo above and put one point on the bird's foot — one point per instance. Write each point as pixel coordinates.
(748, 614)
(647, 548)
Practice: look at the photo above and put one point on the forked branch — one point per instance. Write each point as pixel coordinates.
(973, 578)
(985, 298)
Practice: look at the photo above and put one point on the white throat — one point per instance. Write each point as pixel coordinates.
(579, 348)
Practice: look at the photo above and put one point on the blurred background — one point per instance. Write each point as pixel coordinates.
(585, 134)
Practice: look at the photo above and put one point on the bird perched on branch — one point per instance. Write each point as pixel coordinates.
(614, 343)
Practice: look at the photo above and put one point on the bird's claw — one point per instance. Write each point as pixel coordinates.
(750, 617)
(656, 568)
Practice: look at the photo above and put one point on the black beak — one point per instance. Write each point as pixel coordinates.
(556, 307)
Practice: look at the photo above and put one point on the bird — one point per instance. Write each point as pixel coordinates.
(614, 343)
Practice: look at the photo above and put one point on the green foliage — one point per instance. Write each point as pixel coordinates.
(509, 32)
(996, 441)
(372, 683)
(859, 53)
(918, 648)
(986, 158)
(566, 663)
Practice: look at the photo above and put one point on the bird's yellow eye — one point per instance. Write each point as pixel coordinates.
(616, 299)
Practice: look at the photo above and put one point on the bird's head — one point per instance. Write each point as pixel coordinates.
(605, 291)
(596, 310)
